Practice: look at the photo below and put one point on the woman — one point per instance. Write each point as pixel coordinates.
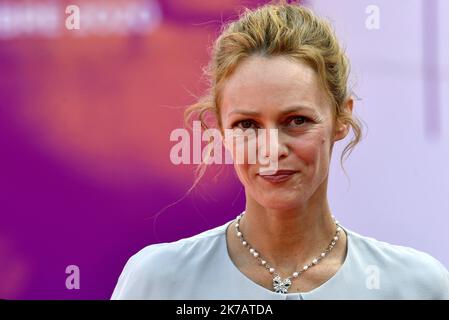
(280, 68)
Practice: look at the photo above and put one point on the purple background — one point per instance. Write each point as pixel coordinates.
(84, 138)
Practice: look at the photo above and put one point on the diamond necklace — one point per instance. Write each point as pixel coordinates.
(282, 285)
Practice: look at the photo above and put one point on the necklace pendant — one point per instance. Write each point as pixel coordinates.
(281, 286)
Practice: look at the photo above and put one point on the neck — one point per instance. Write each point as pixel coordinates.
(288, 238)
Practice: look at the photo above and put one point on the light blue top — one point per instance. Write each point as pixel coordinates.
(199, 267)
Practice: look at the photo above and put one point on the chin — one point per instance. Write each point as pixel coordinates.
(280, 202)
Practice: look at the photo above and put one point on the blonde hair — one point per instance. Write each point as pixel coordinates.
(271, 30)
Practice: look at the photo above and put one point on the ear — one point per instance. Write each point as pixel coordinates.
(342, 128)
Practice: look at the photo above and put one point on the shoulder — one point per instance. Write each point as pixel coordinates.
(402, 265)
(171, 252)
(156, 265)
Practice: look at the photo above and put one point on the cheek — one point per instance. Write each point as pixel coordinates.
(242, 171)
(244, 152)
(240, 146)
(311, 149)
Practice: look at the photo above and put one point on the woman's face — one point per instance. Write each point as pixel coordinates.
(278, 93)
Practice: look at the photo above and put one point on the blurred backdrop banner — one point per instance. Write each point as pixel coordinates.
(90, 92)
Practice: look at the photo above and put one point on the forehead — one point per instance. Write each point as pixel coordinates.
(268, 84)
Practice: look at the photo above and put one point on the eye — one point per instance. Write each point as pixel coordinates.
(244, 124)
(297, 121)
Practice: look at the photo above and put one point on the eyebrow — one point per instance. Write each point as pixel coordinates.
(283, 112)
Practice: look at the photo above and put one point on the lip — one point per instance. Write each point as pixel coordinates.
(278, 172)
(278, 176)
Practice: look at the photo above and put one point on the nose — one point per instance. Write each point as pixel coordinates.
(272, 145)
